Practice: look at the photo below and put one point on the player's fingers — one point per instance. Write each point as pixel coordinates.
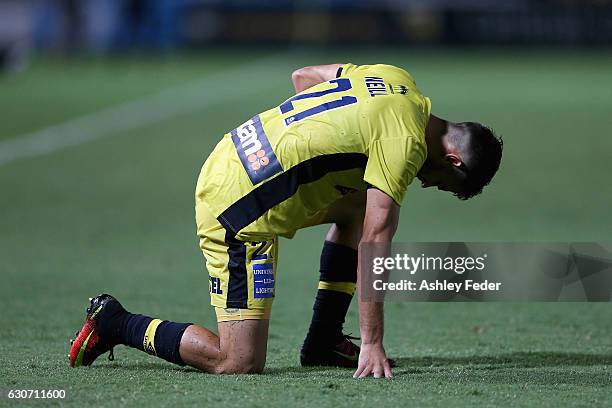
(366, 372)
(387, 367)
(378, 372)
(359, 370)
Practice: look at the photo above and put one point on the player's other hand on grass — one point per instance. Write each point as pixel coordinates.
(373, 361)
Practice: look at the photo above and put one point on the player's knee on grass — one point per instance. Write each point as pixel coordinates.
(232, 363)
(240, 347)
(243, 346)
(241, 361)
(241, 364)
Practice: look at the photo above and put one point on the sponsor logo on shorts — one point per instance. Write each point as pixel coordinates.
(254, 150)
(263, 275)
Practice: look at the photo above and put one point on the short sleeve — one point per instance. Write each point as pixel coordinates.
(393, 164)
(388, 71)
(348, 69)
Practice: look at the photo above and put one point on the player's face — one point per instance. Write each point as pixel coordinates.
(441, 175)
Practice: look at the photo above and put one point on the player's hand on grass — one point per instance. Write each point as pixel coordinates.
(373, 361)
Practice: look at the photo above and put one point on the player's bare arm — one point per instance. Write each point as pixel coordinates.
(380, 224)
(308, 77)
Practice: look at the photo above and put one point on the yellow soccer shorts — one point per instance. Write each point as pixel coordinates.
(242, 275)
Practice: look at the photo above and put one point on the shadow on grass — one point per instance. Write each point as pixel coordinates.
(511, 360)
(157, 365)
(496, 369)
(556, 369)
(427, 365)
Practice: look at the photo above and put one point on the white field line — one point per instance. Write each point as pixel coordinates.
(223, 86)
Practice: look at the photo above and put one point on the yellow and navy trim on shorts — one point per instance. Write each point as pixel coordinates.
(238, 284)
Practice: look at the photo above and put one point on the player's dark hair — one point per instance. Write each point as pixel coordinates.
(485, 149)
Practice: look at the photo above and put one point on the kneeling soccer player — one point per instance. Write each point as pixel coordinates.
(341, 152)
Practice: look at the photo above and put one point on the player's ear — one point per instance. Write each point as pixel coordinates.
(453, 159)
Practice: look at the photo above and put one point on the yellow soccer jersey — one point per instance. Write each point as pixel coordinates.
(280, 170)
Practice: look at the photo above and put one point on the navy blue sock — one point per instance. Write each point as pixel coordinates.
(338, 277)
(154, 336)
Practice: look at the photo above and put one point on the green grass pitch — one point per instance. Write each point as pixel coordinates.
(116, 214)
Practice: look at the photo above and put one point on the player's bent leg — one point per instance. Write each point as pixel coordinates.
(325, 344)
(242, 277)
(240, 347)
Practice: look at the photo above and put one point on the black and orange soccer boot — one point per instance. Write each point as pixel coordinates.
(91, 341)
(343, 354)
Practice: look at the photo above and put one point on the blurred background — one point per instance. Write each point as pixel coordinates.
(106, 26)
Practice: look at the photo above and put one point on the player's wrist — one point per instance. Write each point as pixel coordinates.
(371, 339)
(371, 343)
